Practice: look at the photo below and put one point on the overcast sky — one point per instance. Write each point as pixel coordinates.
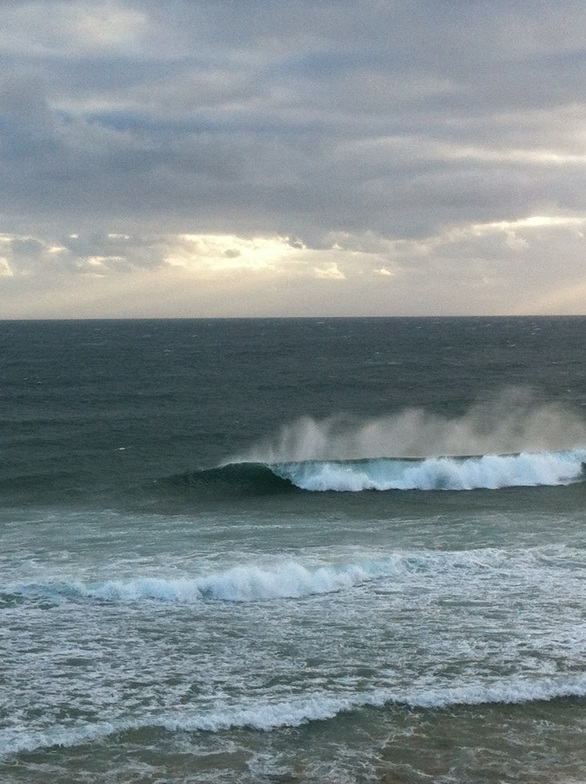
(295, 157)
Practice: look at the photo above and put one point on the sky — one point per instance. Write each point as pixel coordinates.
(212, 158)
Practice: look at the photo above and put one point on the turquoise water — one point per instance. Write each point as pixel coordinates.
(317, 551)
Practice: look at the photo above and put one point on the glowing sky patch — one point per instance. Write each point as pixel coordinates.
(219, 254)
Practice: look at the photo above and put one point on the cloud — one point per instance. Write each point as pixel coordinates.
(488, 269)
(397, 151)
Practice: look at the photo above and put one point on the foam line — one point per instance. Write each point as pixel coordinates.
(298, 711)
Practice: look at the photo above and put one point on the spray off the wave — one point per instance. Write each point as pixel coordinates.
(513, 422)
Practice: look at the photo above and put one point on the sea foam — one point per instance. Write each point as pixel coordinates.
(246, 583)
(266, 716)
(437, 473)
(286, 579)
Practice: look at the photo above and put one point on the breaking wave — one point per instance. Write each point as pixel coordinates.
(526, 469)
(285, 579)
(439, 473)
(511, 440)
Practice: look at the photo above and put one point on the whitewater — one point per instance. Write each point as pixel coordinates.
(292, 579)
(439, 473)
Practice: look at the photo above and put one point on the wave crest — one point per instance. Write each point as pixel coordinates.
(283, 579)
(442, 473)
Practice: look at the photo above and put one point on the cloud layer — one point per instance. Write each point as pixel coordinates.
(301, 158)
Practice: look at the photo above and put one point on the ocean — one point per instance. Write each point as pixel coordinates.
(323, 551)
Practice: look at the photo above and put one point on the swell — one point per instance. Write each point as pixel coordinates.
(255, 479)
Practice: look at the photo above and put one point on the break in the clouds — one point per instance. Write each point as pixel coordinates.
(292, 158)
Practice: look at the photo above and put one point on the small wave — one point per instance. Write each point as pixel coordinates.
(298, 711)
(322, 707)
(507, 692)
(283, 579)
(526, 469)
(288, 580)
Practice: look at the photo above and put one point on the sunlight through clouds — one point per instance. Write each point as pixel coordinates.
(363, 159)
(488, 266)
(216, 254)
(5, 270)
